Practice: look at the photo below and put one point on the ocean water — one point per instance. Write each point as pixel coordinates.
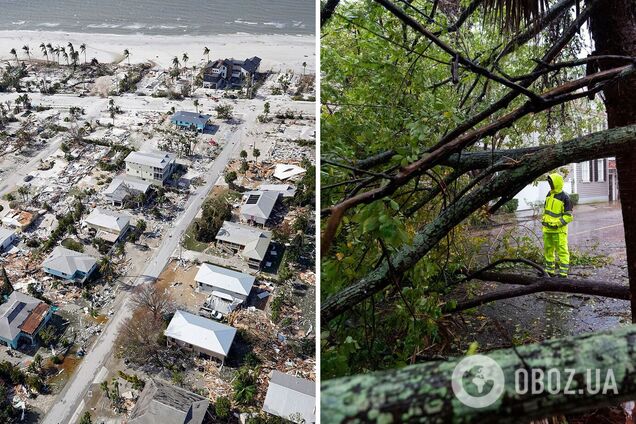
(160, 17)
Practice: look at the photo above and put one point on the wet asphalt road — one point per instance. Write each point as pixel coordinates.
(596, 229)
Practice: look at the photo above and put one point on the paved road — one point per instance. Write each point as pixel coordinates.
(69, 401)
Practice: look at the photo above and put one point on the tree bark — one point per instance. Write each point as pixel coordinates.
(532, 284)
(591, 146)
(423, 393)
(613, 27)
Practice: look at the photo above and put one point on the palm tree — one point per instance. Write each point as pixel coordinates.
(14, 54)
(83, 50)
(56, 52)
(256, 153)
(27, 50)
(65, 56)
(127, 55)
(304, 67)
(70, 47)
(185, 58)
(44, 52)
(175, 62)
(75, 58)
(196, 104)
(206, 52)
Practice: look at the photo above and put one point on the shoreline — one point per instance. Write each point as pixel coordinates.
(278, 52)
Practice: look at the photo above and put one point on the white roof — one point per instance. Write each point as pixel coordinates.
(255, 241)
(289, 397)
(283, 172)
(286, 190)
(201, 332)
(5, 234)
(155, 159)
(108, 219)
(259, 204)
(68, 261)
(224, 278)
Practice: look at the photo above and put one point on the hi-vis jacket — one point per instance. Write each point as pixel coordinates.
(557, 212)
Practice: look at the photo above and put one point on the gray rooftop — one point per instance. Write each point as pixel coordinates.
(154, 159)
(191, 117)
(68, 261)
(255, 241)
(167, 404)
(5, 233)
(291, 398)
(259, 204)
(14, 312)
(114, 221)
(125, 185)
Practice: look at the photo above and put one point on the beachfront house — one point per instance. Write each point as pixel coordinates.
(123, 188)
(21, 318)
(230, 73)
(164, 403)
(7, 237)
(227, 288)
(248, 242)
(107, 225)
(190, 120)
(69, 265)
(258, 206)
(204, 336)
(18, 219)
(154, 167)
(291, 398)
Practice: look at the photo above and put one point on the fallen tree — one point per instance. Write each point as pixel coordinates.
(502, 186)
(528, 284)
(423, 393)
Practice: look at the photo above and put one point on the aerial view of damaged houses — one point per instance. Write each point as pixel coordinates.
(158, 237)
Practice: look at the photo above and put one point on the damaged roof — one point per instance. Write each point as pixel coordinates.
(165, 403)
(201, 332)
(227, 279)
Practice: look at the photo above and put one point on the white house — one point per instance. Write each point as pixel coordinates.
(69, 264)
(286, 172)
(123, 187)
(206, 337)
(258, 206)
(285, 190)
(7, 237)
(228, 288)
(291, 398)
(154, 167)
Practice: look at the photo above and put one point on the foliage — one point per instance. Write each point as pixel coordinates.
(510, 206)
(244, 385)
(224, 111)
(86, 418)
(222, 407)
(215, 210)
(73, 245)
(574, 197)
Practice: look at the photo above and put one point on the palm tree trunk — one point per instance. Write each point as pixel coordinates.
(613, 26)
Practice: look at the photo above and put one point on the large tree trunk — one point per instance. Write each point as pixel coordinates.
(422, 393)
(613, 26)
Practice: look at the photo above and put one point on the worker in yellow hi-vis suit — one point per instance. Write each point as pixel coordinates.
(557, 214)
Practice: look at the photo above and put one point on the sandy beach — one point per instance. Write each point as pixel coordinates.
(279, 52)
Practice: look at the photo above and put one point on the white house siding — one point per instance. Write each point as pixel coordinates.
(209, 289)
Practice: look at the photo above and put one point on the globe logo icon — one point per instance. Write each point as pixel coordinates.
(478, 381)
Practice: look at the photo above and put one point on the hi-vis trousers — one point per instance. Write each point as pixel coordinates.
(556, 245)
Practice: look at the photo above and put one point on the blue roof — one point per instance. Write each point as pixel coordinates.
(190, 117)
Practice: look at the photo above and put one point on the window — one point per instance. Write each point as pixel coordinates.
(585, 172)
(600, 164)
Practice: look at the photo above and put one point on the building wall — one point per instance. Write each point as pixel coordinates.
(592, 191)
(110, 230)
(8, 242)
(208, 289)
(148, 173)
(196, 349)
